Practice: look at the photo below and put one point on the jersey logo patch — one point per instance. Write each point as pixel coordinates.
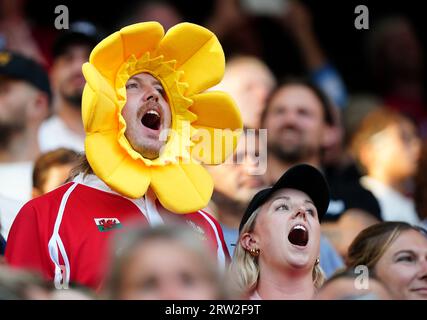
(107, 224)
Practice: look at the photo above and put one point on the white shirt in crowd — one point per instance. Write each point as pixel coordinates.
(15, 190)
(53, 134)
(9, 208)
(394, 205)
(16, 180)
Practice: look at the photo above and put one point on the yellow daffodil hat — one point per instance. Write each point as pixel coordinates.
(206, 125)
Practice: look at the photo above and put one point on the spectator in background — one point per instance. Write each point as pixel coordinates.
(396, 253)
(359, 106)
(164, 12)
(249, 81)
(236, 182)
(22, 285)
(16, 32)
(52, 169)
(351, 285)
(24, 103)
(70, 50)
(397, 64)
(299, 124)
(277, 256)
(163, 263)
(420, 194)
(297, 21)
(387, 146)
(227, 17)
(263, 23)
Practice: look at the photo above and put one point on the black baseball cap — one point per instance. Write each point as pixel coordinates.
(301, 177)
(19, 67)
(80, 32)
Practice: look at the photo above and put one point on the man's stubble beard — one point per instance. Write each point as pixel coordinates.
(294, 155)
(147, 152)
(73, 98)
(147, 149)
(234, 206)
(7, 131)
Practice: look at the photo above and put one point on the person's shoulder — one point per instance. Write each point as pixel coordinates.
(52, 198)
(52, 122)
(206, 215)
(200, 217)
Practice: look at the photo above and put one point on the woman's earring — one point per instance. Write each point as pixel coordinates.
(317, 262)
(254, 252)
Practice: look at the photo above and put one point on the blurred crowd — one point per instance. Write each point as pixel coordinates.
(371, 147)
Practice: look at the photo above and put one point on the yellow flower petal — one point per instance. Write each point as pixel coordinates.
(107, 56)
(182, 188)
(99, 103)
(217, 135)
(216, 109)
(198, 53)
(188, 60)
(103, 153)
(135, 39)
(130, 179)
(114, 166)
(141, 38)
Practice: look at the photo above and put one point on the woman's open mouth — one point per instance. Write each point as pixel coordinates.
(151, 119)
(298, 235)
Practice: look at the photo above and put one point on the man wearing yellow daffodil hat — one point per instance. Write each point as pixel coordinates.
(149, 126)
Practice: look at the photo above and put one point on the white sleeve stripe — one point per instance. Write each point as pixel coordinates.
(220, 250)
(55, 242)
(65, 257)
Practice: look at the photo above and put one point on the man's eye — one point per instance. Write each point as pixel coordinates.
(131, 85)
(160, 89)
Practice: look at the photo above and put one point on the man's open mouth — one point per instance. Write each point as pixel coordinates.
(298, 235)
(151, 119)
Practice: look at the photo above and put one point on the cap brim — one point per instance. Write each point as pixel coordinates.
(258, 200)
(301, 177)
(309, 180)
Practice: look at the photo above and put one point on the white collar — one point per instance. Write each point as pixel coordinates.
(91, 180)
(146, 204)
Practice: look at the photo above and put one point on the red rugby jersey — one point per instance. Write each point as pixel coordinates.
(65, 234)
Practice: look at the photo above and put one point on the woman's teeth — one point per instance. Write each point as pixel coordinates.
(298, 235)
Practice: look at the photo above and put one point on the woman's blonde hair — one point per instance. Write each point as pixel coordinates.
(244, 267)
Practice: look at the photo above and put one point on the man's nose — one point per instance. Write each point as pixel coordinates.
(151, 94)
